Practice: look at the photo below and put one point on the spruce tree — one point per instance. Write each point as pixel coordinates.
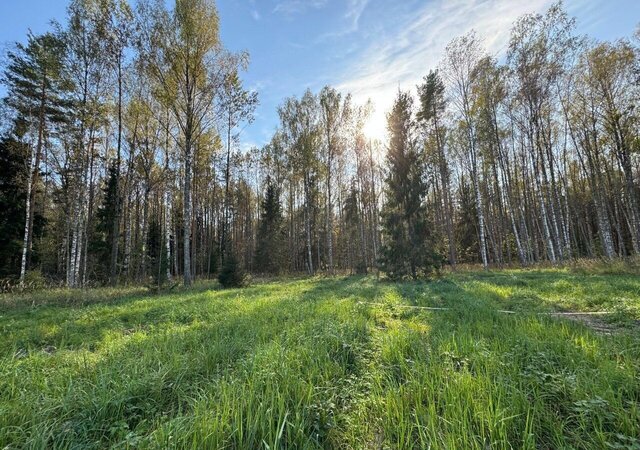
(270, 239)
(232, 273)
(407, 250)
(101, 245)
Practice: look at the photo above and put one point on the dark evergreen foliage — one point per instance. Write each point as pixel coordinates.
(407, 250)
(36, 80)
(271, 238)
(232, 273)
(156, 254)
(432, 97)
(352, 214)
(104, 227)
(14, 157)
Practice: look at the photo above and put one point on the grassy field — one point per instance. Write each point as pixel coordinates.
(326, 363)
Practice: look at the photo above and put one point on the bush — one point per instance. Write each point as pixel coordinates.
(361, 268)
(34, 280)
(232, 273)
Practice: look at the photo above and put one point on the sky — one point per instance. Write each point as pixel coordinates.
(369, 48)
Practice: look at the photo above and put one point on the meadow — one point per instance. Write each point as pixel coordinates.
(327, 363)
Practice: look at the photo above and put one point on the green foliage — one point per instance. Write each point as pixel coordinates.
(14, 157)
(432, 98)
(323, 363)
(407, 249)
(271, 237)
(36, 80)
(232, 274)
(214, 260)
(34, 280)
(106, 214)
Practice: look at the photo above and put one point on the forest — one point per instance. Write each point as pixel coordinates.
(467, 277)
(122, 157)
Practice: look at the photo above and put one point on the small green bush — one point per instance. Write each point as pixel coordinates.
(34, 279)
(232, 273)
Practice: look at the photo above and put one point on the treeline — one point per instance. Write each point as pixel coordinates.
(121, 157)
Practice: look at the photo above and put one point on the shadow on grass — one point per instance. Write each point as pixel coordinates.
(233, 368)
(147, 378)
(488, 377)
(87, 326)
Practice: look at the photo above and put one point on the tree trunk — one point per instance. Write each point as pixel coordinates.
(186, 220)
(31, 185)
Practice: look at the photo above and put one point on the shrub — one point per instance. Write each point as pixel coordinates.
(232, 274)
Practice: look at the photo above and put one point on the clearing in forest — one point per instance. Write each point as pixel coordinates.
(326, 363)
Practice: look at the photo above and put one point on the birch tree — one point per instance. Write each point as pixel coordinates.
(179, 50)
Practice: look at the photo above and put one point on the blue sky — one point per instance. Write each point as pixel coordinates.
(367, 47)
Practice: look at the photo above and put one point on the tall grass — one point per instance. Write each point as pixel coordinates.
(325, 363)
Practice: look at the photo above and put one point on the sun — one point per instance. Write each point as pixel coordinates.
(375, 127)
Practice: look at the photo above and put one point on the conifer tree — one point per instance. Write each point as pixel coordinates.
(406, 249)
(104, 230)
(232, 273)
(270, 239)
(36, 82)
(431, 115)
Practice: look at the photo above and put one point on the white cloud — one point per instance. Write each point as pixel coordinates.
(401, 58)
(293, 7)
(253, 10)
(354, 11)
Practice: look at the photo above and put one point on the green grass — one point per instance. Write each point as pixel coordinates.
(316, 364)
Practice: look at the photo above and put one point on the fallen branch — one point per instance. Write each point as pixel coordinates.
(503, 311)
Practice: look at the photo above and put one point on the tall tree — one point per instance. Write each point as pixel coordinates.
(462, 55)
(301, 129)
(611, 77)
(540, 49)
(179, 50)
(114, 21)
(36, 81)
(432, 109)
(334, 114)
(406, 247)
(89, 72)
(270, 238)
(238, 105)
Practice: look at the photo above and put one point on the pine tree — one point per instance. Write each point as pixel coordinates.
(36, 82)
(431, 114)
(406, 250)
(270, 239)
